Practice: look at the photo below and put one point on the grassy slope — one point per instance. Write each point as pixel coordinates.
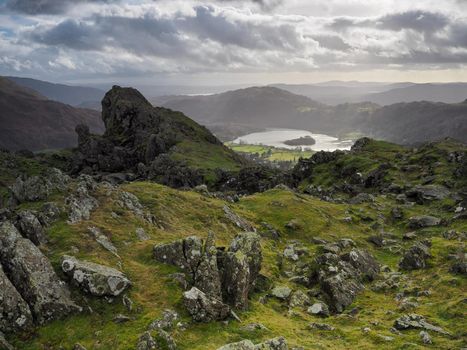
(187, 213)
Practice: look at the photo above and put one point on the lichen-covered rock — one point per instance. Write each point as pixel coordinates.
(422, 221)
(103, 240)
(281, 292)
(319, 309)
(204, 308)
(240, 268)
(14, 311)
(30, 227)
(129, 201)
(81, 203)
(299, 299)
(166, 322)
(93, 278)
(241, 345)
(416, 257)
(341, 278)
(33, 276)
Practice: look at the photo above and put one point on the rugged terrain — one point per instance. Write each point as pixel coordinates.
(358, 249)
(28, 120)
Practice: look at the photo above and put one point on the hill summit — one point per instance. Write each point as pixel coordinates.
(146, 140)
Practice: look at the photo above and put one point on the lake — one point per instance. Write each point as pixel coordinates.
(277, 137)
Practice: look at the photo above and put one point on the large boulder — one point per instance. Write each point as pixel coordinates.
(423, 194)
(204, 308)
(422, 221)
(240, 267)
(33, 276)
(14, 311)
(416, 257)
(341, 277)
(93, 278)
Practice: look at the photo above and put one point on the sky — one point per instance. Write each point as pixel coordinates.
(222, 42)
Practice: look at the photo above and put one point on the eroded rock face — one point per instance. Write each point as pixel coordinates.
(81, 203)
(93, 278)
(341, 278)
(33, 276)
(14, 311)
(204, 308)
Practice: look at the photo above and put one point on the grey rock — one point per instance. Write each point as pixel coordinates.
(14, 311)
(299, 299)
(423, 194)
(421, 221)
(81, 203)
(460, 264)
(204, 308)
(141, 234)
(412, 321)
(30, 227)
(252, 327)
(33, 276)
(146, 342)
(131, 202)
(281, 292)
(362, 198)
(166, 322)
(321, 326)
(278, 343)
(241, 345)
(319, 309)
(49, 213)
(415, 257)
(237, 220)
(103, 240)
(240, 269)
(120, 318)
(93, 278)
(425, 337)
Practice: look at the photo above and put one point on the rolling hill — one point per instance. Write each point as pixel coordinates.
(30, 121)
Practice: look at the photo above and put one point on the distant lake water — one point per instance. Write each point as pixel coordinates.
(277, 137)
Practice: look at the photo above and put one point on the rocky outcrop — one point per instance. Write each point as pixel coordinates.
(240, 267)
(30, 227)
(81, 203)
(204, 308)
(38, 187)
(416, 256)
(14, 311)
(93, 278)
(341, 277)
(228, 276)
(33, 276)
(237, 220)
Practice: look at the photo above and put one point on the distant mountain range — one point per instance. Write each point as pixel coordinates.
(336, 92)
(28, 120)
(273, 107)
(72, 95)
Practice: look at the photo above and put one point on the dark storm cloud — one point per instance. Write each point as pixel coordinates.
(149, 35)
(33, 7)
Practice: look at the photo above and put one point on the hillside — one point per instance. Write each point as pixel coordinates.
(415, 122)
(30, 121)
(78, 96)
(364, 250)
(269, 107)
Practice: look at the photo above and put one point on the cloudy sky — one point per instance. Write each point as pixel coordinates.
(234, 41)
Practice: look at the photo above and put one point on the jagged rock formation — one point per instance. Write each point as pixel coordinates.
(95, 279)
(33, 276)
(138, 138)
(217, 275)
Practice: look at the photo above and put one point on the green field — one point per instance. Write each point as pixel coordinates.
(271, 153)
